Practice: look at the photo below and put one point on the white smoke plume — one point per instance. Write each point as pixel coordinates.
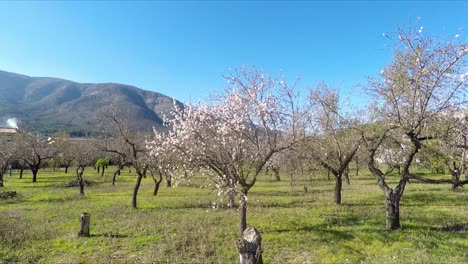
(12, 122)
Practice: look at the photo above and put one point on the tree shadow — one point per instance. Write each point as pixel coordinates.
(455, 228)
(325, 233)
(109, 235)
(418, 199)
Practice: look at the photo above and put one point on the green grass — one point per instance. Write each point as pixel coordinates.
(179, 225)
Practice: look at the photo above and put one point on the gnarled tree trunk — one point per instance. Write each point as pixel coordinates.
(136, 188)
(34, 171)
(338, 187)
(79, 179)
(117, 172)
(392, 202)
(157, 182)
(455, 177)
(243, 210)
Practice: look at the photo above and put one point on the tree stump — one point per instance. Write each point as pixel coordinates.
(249, 247)
(84, 227)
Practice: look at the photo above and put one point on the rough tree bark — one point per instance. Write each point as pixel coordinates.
(117, 172)
(34, 171)
(243, 210)
(392, 201)
(249, 247)
(455, 174)
(157, 182)
(84, 225)
(136, 188)
(338, 187)
(79, 179)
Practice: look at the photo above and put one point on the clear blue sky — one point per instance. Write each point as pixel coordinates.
(181, 49)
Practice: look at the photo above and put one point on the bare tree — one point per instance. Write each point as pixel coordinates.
(85, 154)
(119, 161)
(426, 78)
(65, 155)
(8, 151)
(34, 150)
(450, 149)
(128, 144)
(336, 140)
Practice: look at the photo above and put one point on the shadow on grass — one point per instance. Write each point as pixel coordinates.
(278, 193)
(420, 228)
(456, 228)
(363, 204)
(206, 205)
(325, 233)
(109, 235)
(289, 204)
(430, 198)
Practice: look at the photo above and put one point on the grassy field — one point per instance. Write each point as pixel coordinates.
(180, 226)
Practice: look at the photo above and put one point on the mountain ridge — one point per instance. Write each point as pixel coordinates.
(49, 104)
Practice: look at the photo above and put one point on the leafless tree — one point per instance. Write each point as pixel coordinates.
(85, 153)
(8, 150)
(336, 140)
(65, 155)
(426, 78)
(126, 143)
(34, 150)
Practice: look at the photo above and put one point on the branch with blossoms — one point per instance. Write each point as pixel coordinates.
(237, 132)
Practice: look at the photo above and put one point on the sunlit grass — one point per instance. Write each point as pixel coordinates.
(180, 226)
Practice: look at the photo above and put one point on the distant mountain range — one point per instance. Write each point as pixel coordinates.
(48, 105)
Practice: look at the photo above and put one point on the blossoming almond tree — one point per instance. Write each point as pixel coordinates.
(426, 78)
(237, 133)
(163, 161)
